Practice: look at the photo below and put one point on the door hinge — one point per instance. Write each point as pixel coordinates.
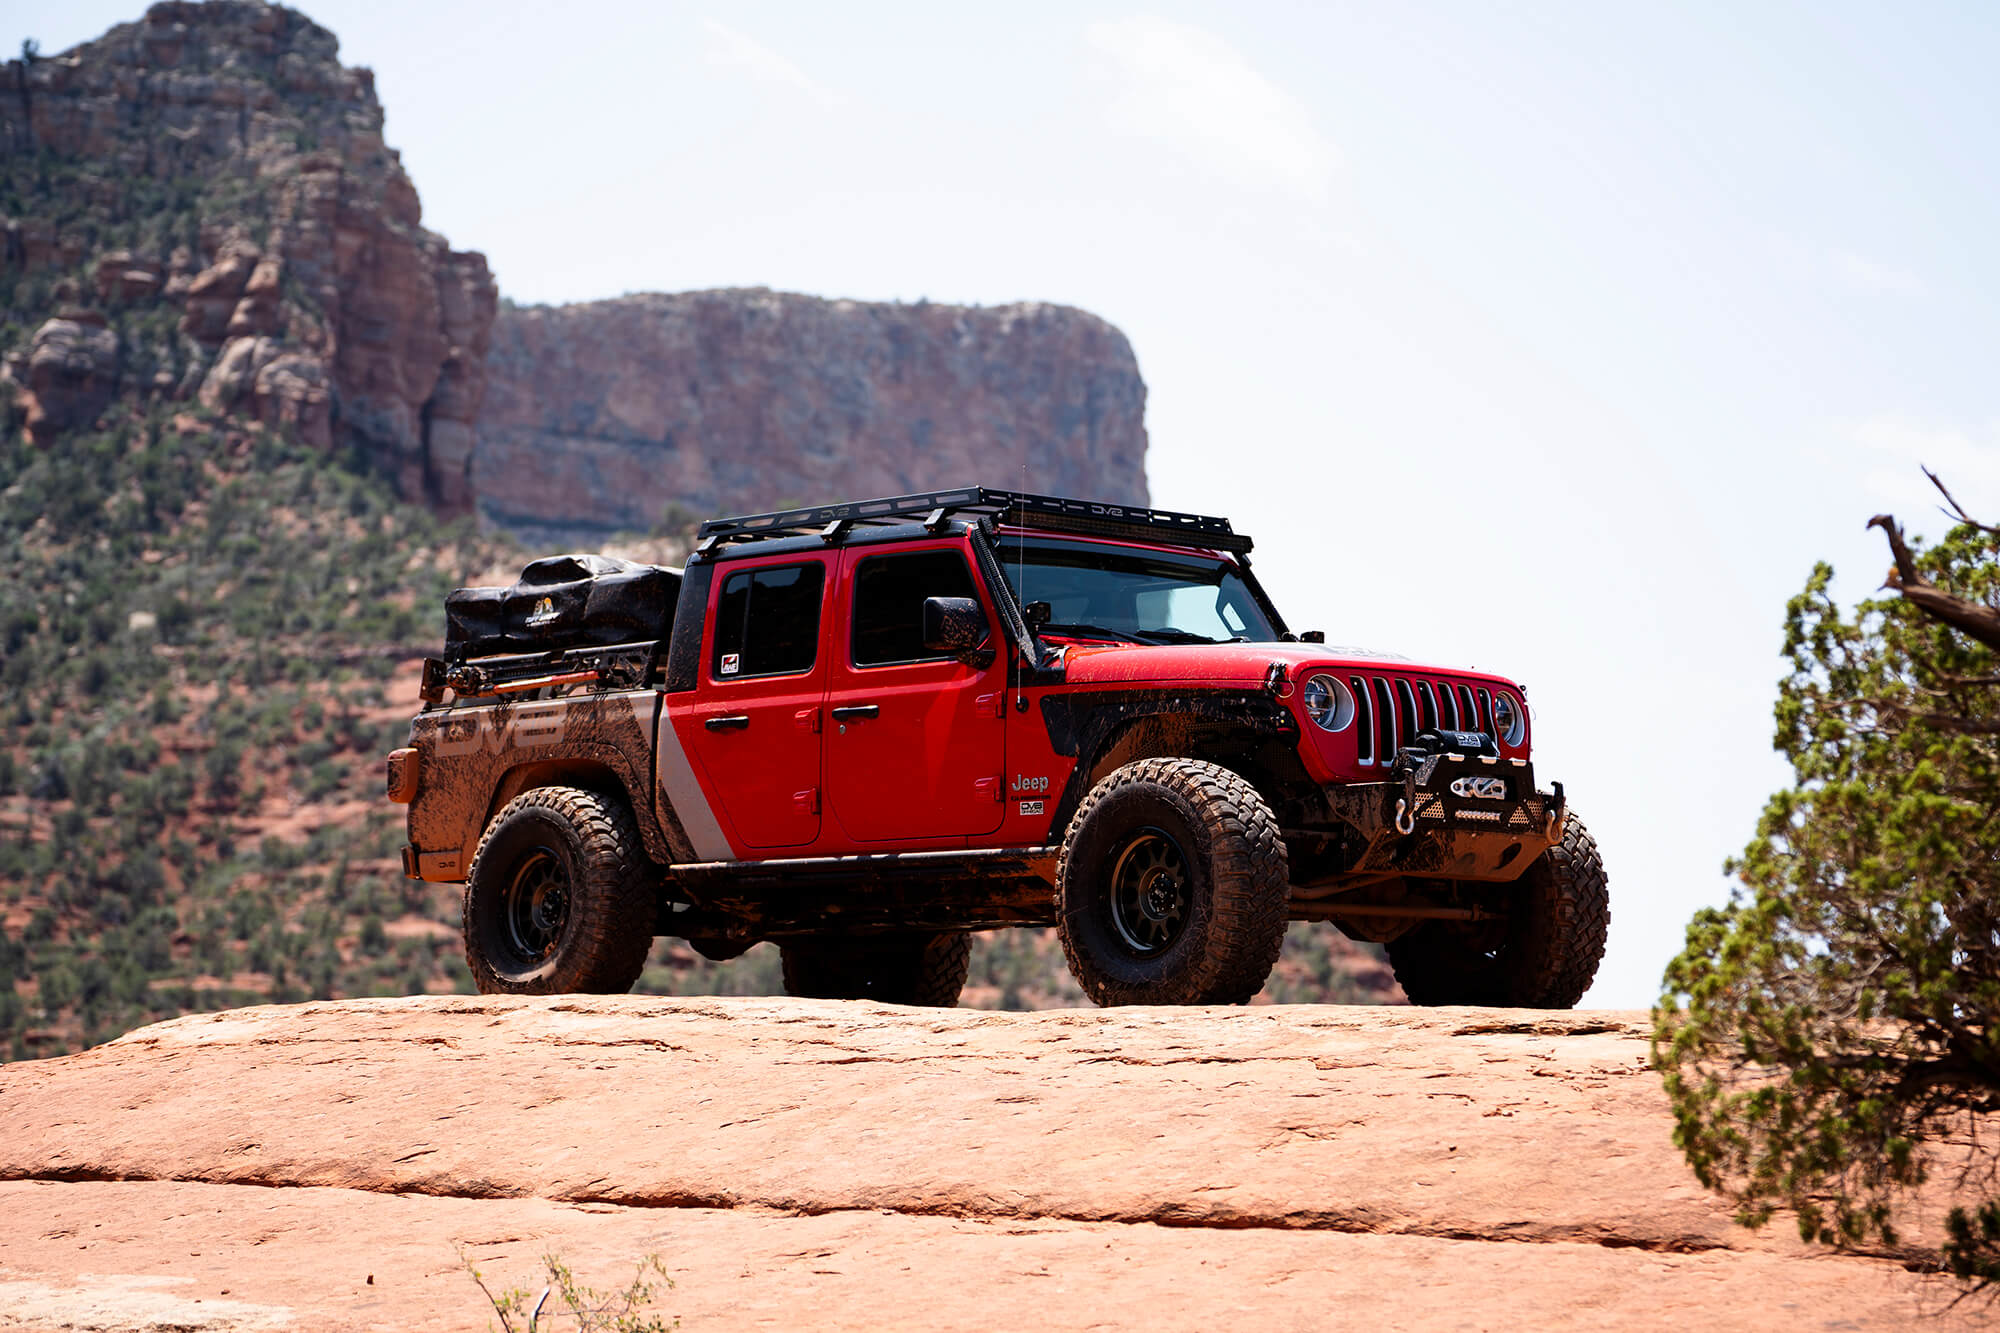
(808, 720)
(807, 800)
(988, 784)
(994, 703)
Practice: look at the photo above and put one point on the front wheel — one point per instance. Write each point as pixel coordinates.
(1172, 886)
(557, 900)
(1543, 956)
(922, 969)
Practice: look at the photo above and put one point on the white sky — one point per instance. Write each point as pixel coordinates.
(1555, 339)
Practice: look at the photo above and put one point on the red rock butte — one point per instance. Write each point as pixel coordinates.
(217, 216)
(824, 1165)
(599, 415)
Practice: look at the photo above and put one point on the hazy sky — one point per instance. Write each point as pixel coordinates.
(1555, 339)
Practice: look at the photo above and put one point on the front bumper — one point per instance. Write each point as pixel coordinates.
(1450, 817)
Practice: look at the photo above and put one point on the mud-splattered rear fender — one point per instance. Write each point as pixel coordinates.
(476, 758)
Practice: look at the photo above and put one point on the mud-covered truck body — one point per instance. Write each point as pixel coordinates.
(864, 730)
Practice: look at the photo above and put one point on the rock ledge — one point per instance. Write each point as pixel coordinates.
(818, 1164)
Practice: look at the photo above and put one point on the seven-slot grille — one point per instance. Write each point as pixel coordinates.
(1391, 710)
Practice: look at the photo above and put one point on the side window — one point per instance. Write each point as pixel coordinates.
(889, 593)
(767, 621)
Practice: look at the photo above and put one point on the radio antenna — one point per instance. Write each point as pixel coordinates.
(1021, 542)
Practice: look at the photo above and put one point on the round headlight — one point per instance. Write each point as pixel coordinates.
(1328, 703)
(1508, 719)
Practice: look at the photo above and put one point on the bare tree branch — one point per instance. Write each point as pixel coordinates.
(1979, 622)
(1957, 510)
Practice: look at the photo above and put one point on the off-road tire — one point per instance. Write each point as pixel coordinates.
(520, 939)
(927, 970)
(1545, 957)
(1219, 944)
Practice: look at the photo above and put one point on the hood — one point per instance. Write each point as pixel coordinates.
(1239, 665)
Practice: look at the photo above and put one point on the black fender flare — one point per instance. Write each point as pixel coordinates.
(1092, 725)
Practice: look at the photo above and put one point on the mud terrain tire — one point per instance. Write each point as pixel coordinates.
(558, 899)
(1172, 886)
(927, 970)
(1544, 957)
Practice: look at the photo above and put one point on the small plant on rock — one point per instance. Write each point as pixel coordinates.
(589, 1310)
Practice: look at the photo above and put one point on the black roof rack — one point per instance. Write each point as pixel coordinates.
(1018, 508)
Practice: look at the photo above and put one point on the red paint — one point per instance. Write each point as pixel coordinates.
(922, 773)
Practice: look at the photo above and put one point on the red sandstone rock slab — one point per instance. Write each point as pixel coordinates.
(198, 1257)
(1264, 1167)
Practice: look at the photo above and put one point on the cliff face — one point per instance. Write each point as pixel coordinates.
(201, 205)
(599, 415)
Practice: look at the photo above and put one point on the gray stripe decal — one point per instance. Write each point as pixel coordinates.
(683, 793)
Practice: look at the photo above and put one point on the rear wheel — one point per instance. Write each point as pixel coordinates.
(1172, 886)
(1543, 956)
(921, 969)
(558, 899)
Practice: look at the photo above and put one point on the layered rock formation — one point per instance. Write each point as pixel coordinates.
(817, 1164)
(69, 373)
(201, 206)
(217, 162)
(599, 415)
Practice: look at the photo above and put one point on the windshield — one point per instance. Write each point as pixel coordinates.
(1120, 592)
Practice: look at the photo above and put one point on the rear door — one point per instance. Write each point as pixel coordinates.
(754, 728)
(915, 741)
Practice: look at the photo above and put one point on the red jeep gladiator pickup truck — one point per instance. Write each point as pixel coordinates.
(864, 730)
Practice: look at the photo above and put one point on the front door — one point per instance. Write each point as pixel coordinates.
(914, 745)
(754, 729)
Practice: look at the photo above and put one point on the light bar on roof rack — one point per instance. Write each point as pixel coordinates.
(1045, 512)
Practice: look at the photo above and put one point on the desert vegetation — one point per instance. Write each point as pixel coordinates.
(198, 649)
(1829, 1038)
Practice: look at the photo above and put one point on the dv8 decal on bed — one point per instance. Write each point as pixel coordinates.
(501, 727)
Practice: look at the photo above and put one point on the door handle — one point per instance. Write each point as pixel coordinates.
(846, 711)
(734, 722)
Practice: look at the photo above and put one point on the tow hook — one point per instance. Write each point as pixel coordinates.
(1415, 767)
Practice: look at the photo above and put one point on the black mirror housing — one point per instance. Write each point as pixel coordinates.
(954, 625)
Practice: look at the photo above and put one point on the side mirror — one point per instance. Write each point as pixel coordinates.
(955, 625)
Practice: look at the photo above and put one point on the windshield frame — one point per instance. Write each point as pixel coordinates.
(994, 538)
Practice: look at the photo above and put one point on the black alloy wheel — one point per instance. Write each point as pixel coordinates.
(1152, 892)
(536, 907)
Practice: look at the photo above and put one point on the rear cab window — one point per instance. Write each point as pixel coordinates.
(767, 621)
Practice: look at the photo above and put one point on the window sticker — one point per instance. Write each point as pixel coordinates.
(730, 663)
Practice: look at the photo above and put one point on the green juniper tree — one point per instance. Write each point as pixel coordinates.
(1831, 1040)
